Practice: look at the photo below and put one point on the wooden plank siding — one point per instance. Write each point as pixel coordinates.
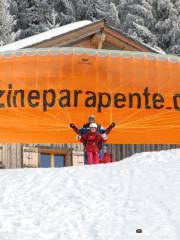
(11, 155)
(119, 44)
(124, 41)
(126, 150)
(1, 156)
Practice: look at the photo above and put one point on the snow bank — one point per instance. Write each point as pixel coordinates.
(103, 202)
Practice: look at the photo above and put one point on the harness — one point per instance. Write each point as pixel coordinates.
(99, 144)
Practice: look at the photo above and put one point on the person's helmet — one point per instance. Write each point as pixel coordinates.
(91, 117)
(93, 125)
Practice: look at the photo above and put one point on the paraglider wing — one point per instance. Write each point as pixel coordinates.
(42, 91)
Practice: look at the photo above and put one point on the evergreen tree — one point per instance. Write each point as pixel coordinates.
(65, 10)
(107, 10)
(112, 17)
(84, 10)
(155, 22)
(167, 25)
(35, 16)
(136, 19)
(53, 19)
(176, 4)
(6, 23)
(175, 37)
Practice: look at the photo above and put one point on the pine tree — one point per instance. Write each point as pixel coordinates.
(6, 23)
(137, 20)
(65, 10)
(175, 36)
(101, 8)
(155, 22)
(176, 4)
(84, 9)
(106, 9)
(18, 10)
(167, 27)
(53, 19)
(112, 17)
(32, 17)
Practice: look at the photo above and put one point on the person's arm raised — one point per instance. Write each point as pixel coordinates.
(109, 129)
(74, 128)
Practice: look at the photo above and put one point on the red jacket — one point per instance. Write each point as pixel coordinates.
(91, 140)
(106, 158)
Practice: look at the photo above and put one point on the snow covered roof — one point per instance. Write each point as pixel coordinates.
(24, 43)
(66, 29)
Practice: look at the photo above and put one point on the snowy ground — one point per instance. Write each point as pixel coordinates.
(104, 202)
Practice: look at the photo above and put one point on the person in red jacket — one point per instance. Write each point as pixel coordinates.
(91, 140)
(85, 129)
(106, 157)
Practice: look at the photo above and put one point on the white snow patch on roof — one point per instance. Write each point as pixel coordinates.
(44, 36)
(156, 49)
(105, 201)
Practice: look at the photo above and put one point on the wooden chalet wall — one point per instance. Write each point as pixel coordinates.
(10, 155)
(121, 151)
(13, 156)
(26, 155)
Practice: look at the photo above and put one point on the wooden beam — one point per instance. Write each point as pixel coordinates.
(97, 40)
(101, 40)
(127, 41)
(54, 151)
(119, 43)
(71, 37)
(52, 160)
(94, 40)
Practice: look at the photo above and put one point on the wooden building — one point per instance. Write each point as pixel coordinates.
(96, 35)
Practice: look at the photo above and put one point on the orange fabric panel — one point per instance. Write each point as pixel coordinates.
(42, 91)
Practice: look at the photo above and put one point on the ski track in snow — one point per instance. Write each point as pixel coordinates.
(102, 202)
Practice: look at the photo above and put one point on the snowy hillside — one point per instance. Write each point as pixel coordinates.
(103, 202)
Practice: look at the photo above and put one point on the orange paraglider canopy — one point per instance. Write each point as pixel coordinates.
(43, 90)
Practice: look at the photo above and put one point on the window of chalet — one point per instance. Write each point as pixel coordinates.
(51, 159)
